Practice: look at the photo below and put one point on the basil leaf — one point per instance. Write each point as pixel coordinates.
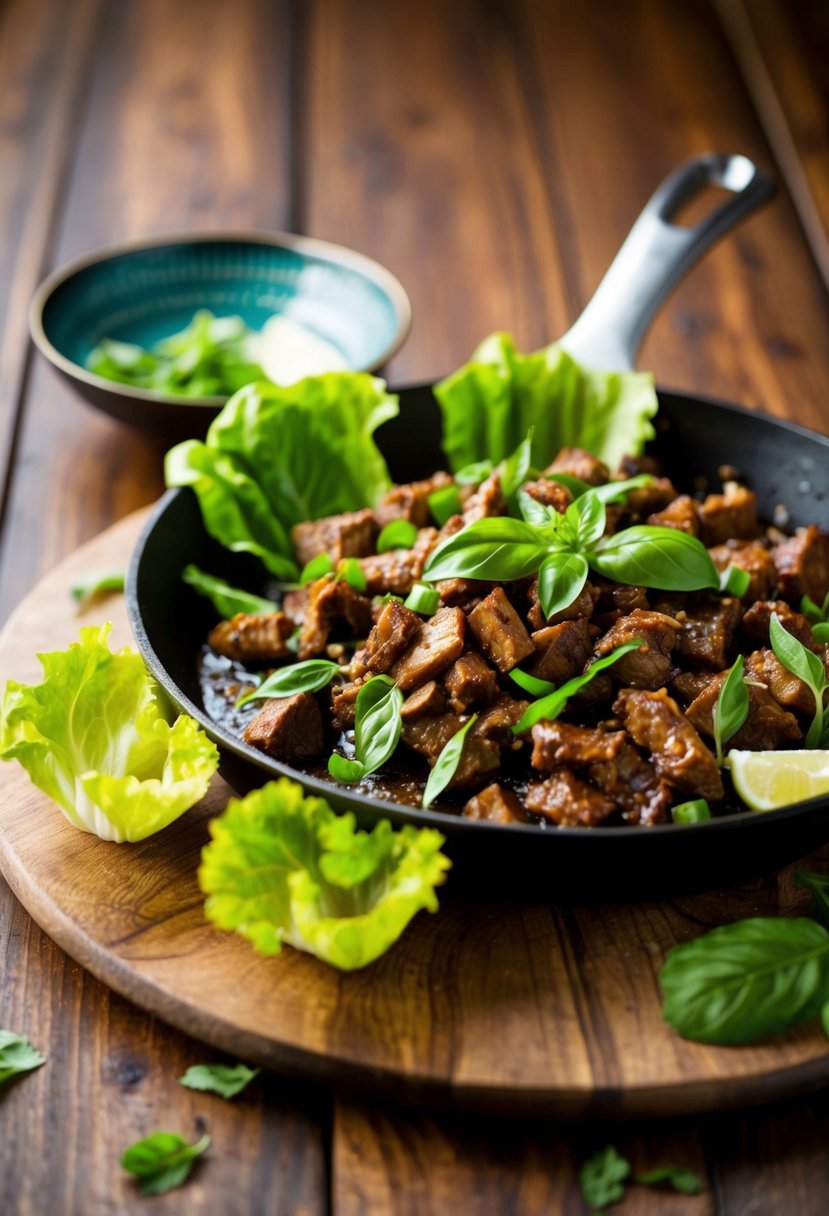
(399, 534)
(548, 708)
(514, 469)
(731, 709)
(536, 513)
(820, 632)
(350, 571)
(377, 727)
(662, 558)
(162, 1161)
(97, 582)
(532, 684)
(500, 549)
(587, 517)
(347, 772)
(223, 1079)
(735, 581)
(560, 580)
(473, 474)
(743, 981)
(697, 811)
(617, 491)
(677, 1176)
(446, 764)
(307, 676)
(444, 503)
(423, 599)
(814, 614)
(818, 886)
(575, 485)
(225, 599)
(17, 1055)
(803, 663)
(602, 1178)
(316, 568)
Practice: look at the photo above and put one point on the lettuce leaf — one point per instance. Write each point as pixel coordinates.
(276, 456)
(490, 403)
(285, 868)
(94, 737)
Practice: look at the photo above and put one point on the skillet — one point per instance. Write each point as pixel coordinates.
(782, 462)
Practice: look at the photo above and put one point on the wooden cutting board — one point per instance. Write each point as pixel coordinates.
(529, 1009)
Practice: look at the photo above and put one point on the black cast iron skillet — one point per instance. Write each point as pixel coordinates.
(783, 463)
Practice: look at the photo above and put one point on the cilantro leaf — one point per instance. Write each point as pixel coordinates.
(602, 1178)
(17, 1055)
(162, 1161)
(223, 1079)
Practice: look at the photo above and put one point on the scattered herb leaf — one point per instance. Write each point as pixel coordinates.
(676, 1176)
(350, 571)
(808, 666)
(316, 568)
(162, 1161)
(377, 727)
(399, 534)
(532, 684)
(226, 1080)
(735, 581)
(17, 1055)
(731, 708)
(446, 764)
(308, 676)
(97, 583)
(602, 1178)
(444, 503)
(549, 707)
(225, 599)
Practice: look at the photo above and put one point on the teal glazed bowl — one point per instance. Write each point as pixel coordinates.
(147, 290)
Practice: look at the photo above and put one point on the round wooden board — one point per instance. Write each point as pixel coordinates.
(535, 1009)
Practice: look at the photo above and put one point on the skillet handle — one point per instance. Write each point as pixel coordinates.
(657, 254)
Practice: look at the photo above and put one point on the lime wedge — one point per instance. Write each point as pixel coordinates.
(766, 780)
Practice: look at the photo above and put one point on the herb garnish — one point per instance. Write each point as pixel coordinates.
(17, 1055)
(162, 1161)
(735, 581)
(444, 503)
(731, 709)
(377, 727)
(423, 599)
(603, 1178)
(696, 811)
(316, 568)
(350, 571)
(308, 676)
(446, 764)
(225, 599)
(549, 707)
(399, 534)
(226, 1080)
(817, 616)
(97, 582)
(808, 666)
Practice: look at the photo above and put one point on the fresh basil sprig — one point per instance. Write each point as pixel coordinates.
(549, 707)
(17, 1055)
(446, 764)
(809, 667)
(731, 709)
(225, 599)
(226, 1080)
(377, 727)
(162, 1161)
(308, 676)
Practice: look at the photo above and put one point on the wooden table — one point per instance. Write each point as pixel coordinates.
(492, 154)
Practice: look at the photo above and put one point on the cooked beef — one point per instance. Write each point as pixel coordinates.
(558, 743)
(462, 592)
(437, 642)
(578, 463)
(753, 557)
(411, 501)
(295, 604)
(647, 500)
(631, 782)
(496, 722)
(599, 689)
(391, 634)
(708, 631)
(496, 805)
(787, 689)
(487, 500)
(351, 535)
(680, 513)
(689, 684)
(767, 727)
(756, 622)
(616, 599)
(568, 801)
(329, 602)
(470, 681)
(429, 735)
(655, 722)
(397, 570)
(344, 702)
(732, 514)
(253, 637)
(582, 606)
(632, 466)
(500, 631)
(647, 667)
(802, 564)
(288, 729)
(561, 651)
(550, 493)
(426, 700)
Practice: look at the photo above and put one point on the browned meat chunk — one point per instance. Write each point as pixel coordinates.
(708, 631)
(655, 722)
(632, 466)
(582, 606)
(429, 735)
(561, 651)
(435, 646)
(757, 619)
(426, 700)
(500, 631)
(411, 501)
(681, 514)
(599, 689)
(496, 805)
(803, 565)
(618, 599)
(470, 681)
(732, 514)
(687, 686)
(550, 493)
(558, 743)
(767, 727)
(350, 535)
(497, 721)
(486, 501)
(398, 570)
(753, 557)
(394, 629)
(344, 703)
(647, 500)
(253, 638)
(648, 666)
(631, 782)
(330, 601)
(295, 604)
(786, 688)
(462, 591)
(578, 463)
(567, 801)
(287, 729)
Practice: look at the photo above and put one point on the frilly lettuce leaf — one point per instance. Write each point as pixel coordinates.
(276, 456)
(490, 403)
(94, 737)
(284, 868)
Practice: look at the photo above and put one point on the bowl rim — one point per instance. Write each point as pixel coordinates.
(327, 251)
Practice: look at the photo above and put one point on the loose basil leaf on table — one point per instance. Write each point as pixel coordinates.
(549, 707)
(731, 708)
(662, 558)
(377, 727)
(227, 600)
(602, 1178)
(808, 666)
(162, 1161)
(17, 1055)
(95, 583)
(308, 676)
(226, 1080)
(446, 764)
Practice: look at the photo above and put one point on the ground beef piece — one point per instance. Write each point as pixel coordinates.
(287, 729)
(351, 535)
(411, 501)
(435, 646)
(397, 570)
(392, 632)
(567, 801)
(578, 463)
(344, 703)
(756, 622)
(802, 564)
(470, 681)
(330, 601)
(708, 631)
(687, 686)
(488, 500)
(253, 637)
(753, 557)
(681, 514)
(497, 721)
(561, 651)
(787, 689)
(429, 735)
(647, 667)
(500, 631)
(582, 606)
(550, 493)
(559, 743)
(426, 700)
(767, 727)
(631, 782)
(496, 805)
(655, 722)
(730, 515)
